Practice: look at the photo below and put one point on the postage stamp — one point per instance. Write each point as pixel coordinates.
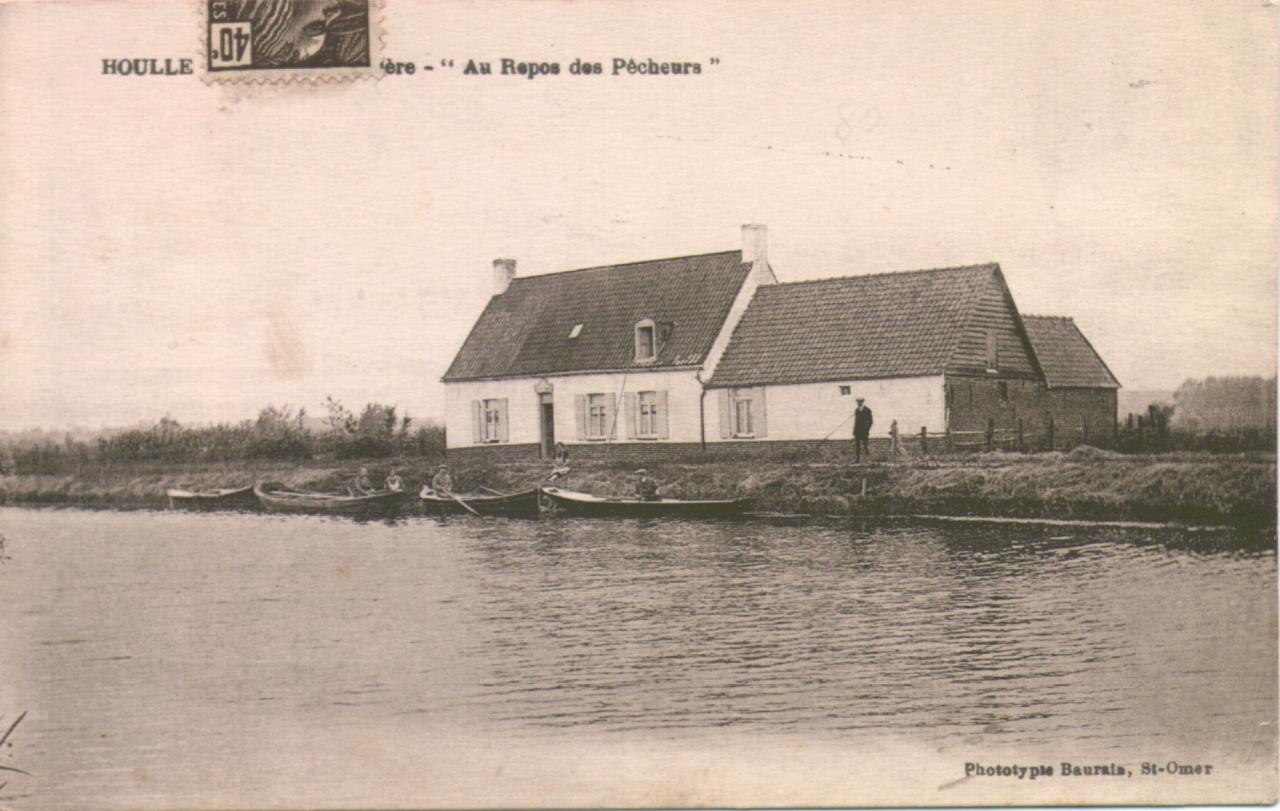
(275, 40)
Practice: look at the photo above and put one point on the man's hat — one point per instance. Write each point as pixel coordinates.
(862, 400)
(444, 467)
(641, 472)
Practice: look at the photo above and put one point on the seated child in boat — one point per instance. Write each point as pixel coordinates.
(560, 465)
(394, 483)
(442, 482)
(646, 488)
(361, 484)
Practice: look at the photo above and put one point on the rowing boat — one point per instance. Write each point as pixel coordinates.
(230, 498)
(510, 505)
(278, 499)
(585, 504)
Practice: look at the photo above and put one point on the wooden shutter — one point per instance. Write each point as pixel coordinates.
(630, 405)
(760, 415)
(504, 427)
(476, 436)
(661, 418)
(726, 414)
(580, 415)
(611, 415)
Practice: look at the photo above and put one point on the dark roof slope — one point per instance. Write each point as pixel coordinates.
(856, 327)
(1066, 356)
(525, 331)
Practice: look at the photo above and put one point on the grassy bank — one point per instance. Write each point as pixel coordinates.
(1086, 483)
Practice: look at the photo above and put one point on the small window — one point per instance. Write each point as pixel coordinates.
(845, 391)
(597, 417)
(646, 341)
(647, 404)
(993, 351)
(743, 422)
(1004, 391)
(576, 331)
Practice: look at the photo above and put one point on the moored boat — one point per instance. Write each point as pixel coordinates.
(574, 503)
(276, 498)
(229, 498)
(510, 505)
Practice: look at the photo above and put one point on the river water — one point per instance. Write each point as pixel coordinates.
(197, 660)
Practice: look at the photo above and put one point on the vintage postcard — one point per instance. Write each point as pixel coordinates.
(615, 404)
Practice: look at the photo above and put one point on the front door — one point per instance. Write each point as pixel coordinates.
(547, 419)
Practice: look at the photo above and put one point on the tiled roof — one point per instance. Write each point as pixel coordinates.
(1066, 356)
(856, 327)
(525, 331)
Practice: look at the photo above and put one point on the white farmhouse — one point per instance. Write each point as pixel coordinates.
(600, 356)
(711, 351)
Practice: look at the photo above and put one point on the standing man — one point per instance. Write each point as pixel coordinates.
(861, 431)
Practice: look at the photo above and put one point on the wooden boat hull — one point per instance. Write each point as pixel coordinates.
(513, 505)
(237, 498)
(287, 501)
(585, 504)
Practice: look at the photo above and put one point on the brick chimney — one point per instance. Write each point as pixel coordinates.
(504, 270)
(755, 244)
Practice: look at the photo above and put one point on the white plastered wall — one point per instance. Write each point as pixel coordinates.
(819, 411)
(681, 386)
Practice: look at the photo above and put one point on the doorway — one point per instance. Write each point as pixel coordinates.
(547, 421)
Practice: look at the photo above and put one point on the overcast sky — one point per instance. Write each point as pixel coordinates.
(171, 247)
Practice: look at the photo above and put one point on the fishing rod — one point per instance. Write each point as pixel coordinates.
(837, 428)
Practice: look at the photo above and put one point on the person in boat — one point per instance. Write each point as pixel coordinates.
(560, 464)
(646, 488)
(361, 485)
(442, 482)
(394, 482)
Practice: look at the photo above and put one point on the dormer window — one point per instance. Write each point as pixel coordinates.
(576, 331)
(646, 341)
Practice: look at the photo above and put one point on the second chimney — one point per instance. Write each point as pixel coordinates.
(504, 270)
(755, 243)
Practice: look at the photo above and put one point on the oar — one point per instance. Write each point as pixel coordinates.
(491, 490)
(458, 499)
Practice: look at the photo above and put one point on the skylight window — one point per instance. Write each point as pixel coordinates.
(576, 331)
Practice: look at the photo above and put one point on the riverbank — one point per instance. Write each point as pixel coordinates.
(1237, 489)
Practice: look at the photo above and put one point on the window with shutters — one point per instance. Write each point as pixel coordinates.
(492, 425)
(597, 417)
(743, 422)
(647, 405)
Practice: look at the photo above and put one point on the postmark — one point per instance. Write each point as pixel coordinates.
(290, 40)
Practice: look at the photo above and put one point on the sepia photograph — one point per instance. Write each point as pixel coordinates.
(618, 404)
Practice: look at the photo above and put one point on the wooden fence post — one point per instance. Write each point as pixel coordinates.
(924, 440)
(1050, 433)
(991, 433)
(1021, 446)
(947, 443)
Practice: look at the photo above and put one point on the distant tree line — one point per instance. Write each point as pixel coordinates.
(1219, 414)
(277, 434)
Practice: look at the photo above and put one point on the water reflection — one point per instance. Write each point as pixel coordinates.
(962, 631)
(129, 631)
